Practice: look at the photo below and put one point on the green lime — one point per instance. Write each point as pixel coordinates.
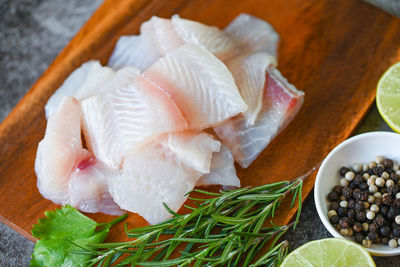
(388, 97)
(329, 252)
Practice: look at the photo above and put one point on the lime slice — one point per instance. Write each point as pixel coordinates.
(388, 97)
(329, 252)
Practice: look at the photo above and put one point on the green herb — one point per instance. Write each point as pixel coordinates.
(224, 229)
(62, 232)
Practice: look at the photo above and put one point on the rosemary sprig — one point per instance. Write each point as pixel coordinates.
(228, 228)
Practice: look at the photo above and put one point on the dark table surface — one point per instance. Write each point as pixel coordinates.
(32, 33)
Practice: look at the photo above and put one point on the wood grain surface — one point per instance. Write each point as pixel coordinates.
(335, 51)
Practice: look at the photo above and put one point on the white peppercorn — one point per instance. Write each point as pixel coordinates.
(372, 188)
(342, 198)
(344, 231)
(385, 175)
(349, 176)
(380, 182)
(371, 181)
(365, 227)
(379, 159)
(378, 195)
(366, 205)
(366, 243)
(371, 199)
(398, 195)
(332, 213)
(344, 204)
(372, 164)
(398, 172)
(397, 219)
(370, 215)
(389, 183)
(395, 167)
(365, 167)
(344, 182)
(374, 208)
(357, 167)
(392, 243)
(366, 176)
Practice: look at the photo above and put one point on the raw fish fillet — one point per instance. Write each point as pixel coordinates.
(223, 171)
(249, 71)
(200, 85)
(157, 174)
(254, 34)
(157, 38)
(66, 172)
(211, 38)
(118, 122)
(81, 83)
(281, 103)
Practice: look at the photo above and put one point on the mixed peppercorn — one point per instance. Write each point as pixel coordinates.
(366, 203)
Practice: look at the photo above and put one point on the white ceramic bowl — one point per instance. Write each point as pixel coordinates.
(362, 148)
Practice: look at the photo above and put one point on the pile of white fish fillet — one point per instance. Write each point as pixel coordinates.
(173, 109)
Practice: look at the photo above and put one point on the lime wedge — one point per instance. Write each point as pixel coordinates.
(329, 252)
(388, 97)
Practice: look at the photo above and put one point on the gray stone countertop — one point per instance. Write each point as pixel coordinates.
(32, 33)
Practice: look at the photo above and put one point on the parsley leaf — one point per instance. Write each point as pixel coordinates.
(61, 233)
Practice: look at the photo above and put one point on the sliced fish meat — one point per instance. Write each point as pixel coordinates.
(249, 71)
(199, 83)
(223, 171)
(65, 169)
(281, 103)
(120, 121)
(158, 173)
(254, 34)
(87, 77)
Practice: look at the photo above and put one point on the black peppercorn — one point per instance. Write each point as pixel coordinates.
(363, 187)
(393, 190)
(344, 222)
(373, 227)
(358, 206)
(378, 201)
(396, 202)
(351, 203)
(358, 179)
(395, 178)
(388, 163)
(353, 185)
(386, 200)
(351, 221)
(356, 194)
(392, 213)
(338, 189)
(384, 231)
(372, 235)
(358, 237)
(333, 196)
(385, 240)
(384, 210)
(378, 170)
(343, 171)
(360, 216)
(347, 192)
(334, 205)
(342, 211)
(380, 221)
(357, 227)
(383, 190)
(351, 213)
(396, 229)
(334, 219)
(364, 196)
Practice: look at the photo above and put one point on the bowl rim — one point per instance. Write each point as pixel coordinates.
(323, 217)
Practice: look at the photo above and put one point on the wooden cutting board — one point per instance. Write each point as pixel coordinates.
(335, 51)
